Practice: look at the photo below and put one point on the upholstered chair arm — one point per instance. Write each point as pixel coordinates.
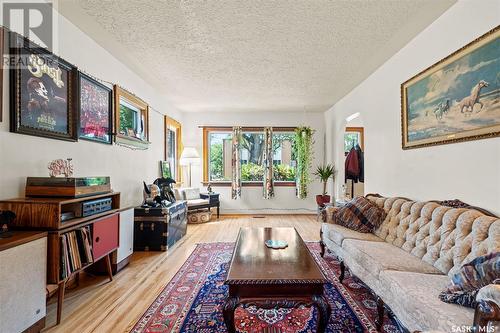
(488, 305)
(328, 214)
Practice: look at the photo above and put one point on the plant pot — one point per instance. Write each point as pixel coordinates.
(321, 200)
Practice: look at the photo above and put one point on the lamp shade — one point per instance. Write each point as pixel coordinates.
(189, 156)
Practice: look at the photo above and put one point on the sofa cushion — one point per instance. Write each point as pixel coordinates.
(465, 284)
(416, 295)
(338, 233)
(442, 236)
(197, 202)
(359, 214)
(378, 256)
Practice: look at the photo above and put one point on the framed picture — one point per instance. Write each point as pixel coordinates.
(456, 99)
(165, 169)
(96, 110)
(131, 119)
(43, 91)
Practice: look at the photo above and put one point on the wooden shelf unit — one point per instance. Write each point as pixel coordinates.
(45, 213)
(37, 213)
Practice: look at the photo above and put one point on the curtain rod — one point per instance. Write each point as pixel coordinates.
(277, 128)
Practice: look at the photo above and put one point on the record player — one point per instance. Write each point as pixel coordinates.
(71, 187)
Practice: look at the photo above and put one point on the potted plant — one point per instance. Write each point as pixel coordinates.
(324, 172)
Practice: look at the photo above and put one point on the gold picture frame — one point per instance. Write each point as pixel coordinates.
(456, 99)
(137, 134)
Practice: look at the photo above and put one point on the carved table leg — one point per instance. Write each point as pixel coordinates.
(342, 271)
(321, 244)
(323, 312)
(228, 312)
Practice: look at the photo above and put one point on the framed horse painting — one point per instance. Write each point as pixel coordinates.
(456, 99)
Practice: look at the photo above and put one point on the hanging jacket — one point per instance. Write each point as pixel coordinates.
(361, 164)
(352, 166)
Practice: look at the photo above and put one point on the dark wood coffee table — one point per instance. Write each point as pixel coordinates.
(268, 278)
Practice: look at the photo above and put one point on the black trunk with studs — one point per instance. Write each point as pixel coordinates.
(157, 229)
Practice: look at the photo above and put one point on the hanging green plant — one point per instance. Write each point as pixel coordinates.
(304, 152)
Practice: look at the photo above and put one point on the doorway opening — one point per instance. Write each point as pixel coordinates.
(354, 147)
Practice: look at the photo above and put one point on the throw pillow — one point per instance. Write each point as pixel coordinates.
(359, 214)
(191, 193)
(471, 277)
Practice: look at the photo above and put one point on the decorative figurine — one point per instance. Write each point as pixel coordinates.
(165, 185)
(61, 167)
(209, 188)
(151, 194)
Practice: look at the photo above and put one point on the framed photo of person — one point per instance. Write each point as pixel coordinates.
(43, 92)
(95, 109)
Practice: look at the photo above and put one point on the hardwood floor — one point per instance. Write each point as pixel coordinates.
(98, 305)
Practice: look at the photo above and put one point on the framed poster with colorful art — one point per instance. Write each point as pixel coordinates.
(43, 91)
(456, 99)
(96, 109)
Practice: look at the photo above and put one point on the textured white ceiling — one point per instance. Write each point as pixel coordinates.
(244, 55)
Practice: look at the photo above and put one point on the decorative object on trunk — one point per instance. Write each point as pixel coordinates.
(209, 188)
(42, 92)
(236, 164)
(268, 189)
(456, 99)
(152, 195)
(324, 173)
(304, 146)
(96, 110)
(61, 167)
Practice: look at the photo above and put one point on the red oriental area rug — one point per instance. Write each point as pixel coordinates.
(193, 301)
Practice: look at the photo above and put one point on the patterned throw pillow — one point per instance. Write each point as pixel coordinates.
(359, 214)
(465, 284)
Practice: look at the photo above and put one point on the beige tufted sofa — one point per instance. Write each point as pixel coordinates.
(409, 259)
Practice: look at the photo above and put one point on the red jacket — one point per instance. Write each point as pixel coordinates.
(352, 169)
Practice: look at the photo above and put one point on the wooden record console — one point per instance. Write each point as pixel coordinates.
(75, 242)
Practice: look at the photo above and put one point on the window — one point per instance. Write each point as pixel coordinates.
(353, 136)
(252, 169)
(217, 155)
(219, 146)
(173, 146)
(131, 119)
(284, 160)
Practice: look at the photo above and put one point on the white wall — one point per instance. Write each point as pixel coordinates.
(251, 200)
(469, 171)
(23, 155)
